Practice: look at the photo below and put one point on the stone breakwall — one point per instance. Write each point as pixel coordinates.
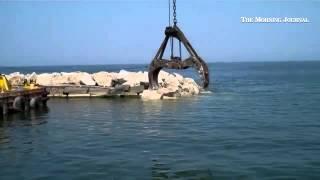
(172, 85)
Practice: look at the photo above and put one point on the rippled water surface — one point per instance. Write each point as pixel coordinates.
(261, 121)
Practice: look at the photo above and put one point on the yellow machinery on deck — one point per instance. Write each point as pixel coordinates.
(4, 84)
(21, 98)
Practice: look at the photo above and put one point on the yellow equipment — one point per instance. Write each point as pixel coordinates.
(4, 84)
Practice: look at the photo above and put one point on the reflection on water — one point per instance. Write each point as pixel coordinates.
(161, 171)
(260, 121)
(18, 132)
(27, 118)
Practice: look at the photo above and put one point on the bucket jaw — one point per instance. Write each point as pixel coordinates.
(175, 62)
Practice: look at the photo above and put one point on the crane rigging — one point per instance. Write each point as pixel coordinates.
(172, 33)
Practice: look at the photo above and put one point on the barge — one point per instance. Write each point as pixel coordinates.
(21, 98)
(95, 91)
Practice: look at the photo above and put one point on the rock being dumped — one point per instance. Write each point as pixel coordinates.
(172, 85)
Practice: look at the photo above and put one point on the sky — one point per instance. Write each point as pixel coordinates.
(131, 31)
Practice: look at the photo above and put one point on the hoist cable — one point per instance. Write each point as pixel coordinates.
(169, 1)
(180, 49)
(172, 48)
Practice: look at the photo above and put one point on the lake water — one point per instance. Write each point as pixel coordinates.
(261, 121)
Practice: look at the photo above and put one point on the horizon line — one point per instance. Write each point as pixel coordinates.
(113, 64)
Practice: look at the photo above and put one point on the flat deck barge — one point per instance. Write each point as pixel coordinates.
(95, 91)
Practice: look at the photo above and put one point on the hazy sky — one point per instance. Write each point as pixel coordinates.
(130, 31)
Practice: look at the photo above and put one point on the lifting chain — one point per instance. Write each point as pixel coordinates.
(174, 13)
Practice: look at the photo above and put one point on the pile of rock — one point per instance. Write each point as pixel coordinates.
(172, 85)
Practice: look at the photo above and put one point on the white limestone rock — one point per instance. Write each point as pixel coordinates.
(172, 85)
(151, 95)
(31, 77)
(178, 77)
(16, 81)
(103, 78)
(16, 78)
(190, 87)
(63, 79)
(133, 78)
(46, 79)
(162, 93)
(68, 78)
(86, 79)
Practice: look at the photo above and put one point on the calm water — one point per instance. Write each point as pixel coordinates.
(262, 121)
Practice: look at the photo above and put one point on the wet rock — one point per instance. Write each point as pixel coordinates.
(151, 95)
(162, 93)
(192, 86)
